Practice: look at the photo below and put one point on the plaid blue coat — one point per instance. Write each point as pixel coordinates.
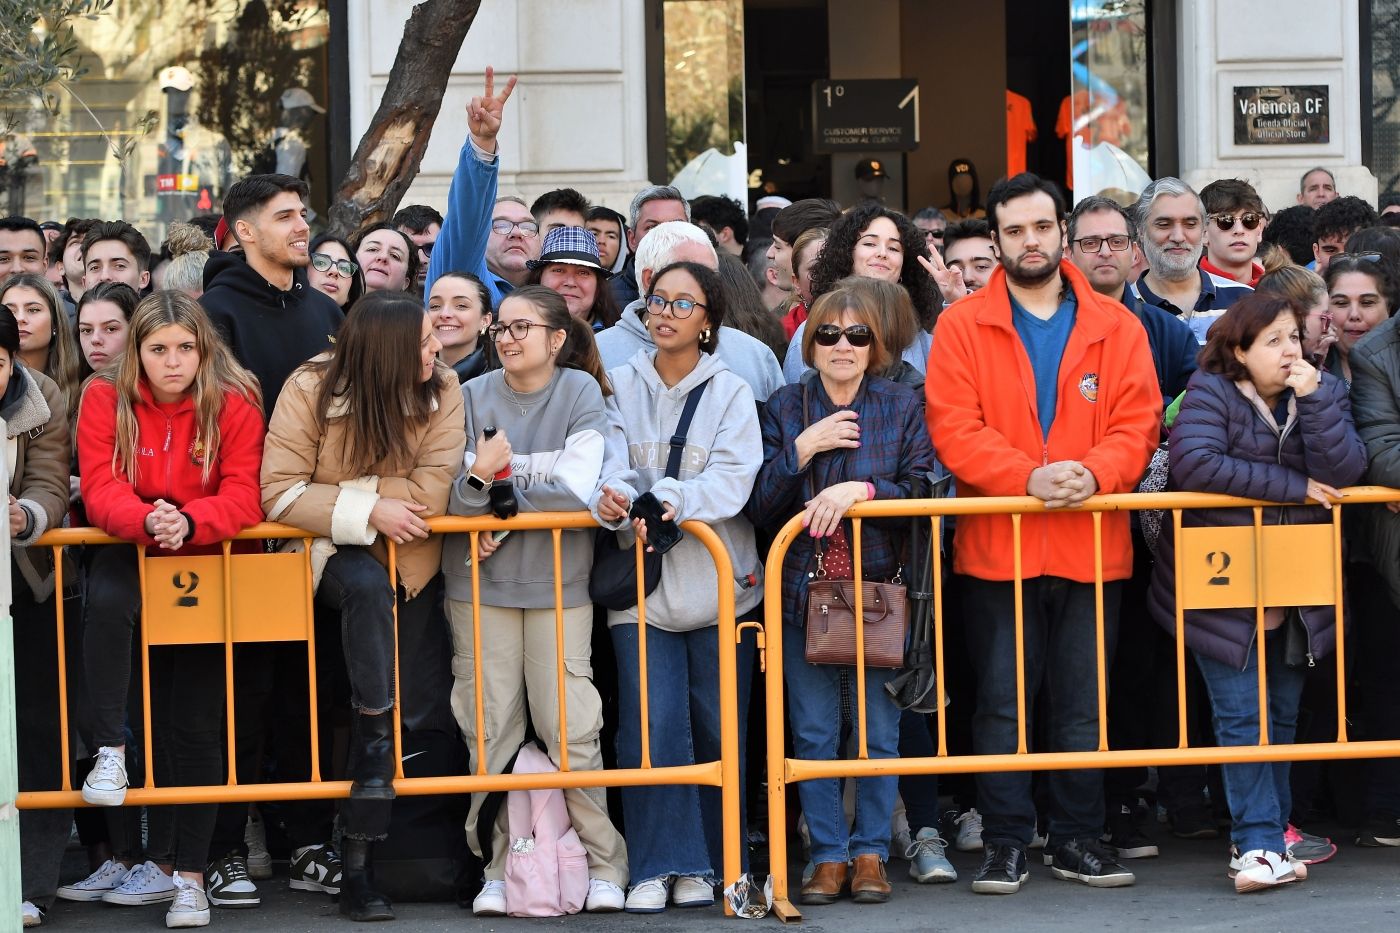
(894, 448)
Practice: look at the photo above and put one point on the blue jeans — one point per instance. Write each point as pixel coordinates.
(675, 829)
(814, 709)
(1060, 656)
(1258, 792)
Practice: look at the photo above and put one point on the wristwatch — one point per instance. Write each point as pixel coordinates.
(477, 483)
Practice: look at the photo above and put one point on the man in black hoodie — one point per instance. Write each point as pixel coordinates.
(273, 321)
(261, 300)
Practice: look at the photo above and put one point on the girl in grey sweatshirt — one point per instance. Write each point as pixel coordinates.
(546, 405)
(674, 832)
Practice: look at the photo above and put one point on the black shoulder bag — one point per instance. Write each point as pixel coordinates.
(613, 581)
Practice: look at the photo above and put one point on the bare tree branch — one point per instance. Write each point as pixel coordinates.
(389, 154)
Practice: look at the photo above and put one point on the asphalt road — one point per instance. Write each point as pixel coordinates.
(1185, 889)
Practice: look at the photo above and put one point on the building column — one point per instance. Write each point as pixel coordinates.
(1228, 48)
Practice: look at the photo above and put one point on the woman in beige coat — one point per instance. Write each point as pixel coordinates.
(363, 445)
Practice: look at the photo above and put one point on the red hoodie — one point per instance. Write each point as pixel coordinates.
(169, 466)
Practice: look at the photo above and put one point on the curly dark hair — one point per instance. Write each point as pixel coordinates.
(1341, 217)
(836, 260)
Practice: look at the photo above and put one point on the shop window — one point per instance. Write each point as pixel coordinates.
(195, 93)
(703, 76)
(1385, 93)
(1104, 120)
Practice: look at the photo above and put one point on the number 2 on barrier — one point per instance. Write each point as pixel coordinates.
(188, 583)
(1219, 562)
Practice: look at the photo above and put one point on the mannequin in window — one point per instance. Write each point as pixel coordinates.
(966, 193)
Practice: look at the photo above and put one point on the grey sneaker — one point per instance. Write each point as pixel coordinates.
(190, 907)
(144, 884)
(928, 859)
(255, 838)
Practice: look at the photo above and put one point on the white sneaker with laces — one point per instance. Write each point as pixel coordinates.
(96, 884)
(144, 884)
(105, 785)
(604, 897)
(33, 916)
(491, 902)
(690, 891)
(190, 907)
(969, 831)
(255, 838)
(649, 897)
(1260, 870)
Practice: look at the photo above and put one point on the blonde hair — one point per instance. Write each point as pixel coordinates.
(218, 374)
(805, 240)
(62, 362)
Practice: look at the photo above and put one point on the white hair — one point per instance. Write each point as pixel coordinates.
(654, 193)
(1166, 186)
(657, 249)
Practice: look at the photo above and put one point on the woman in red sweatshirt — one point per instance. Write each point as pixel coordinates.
(169, 448)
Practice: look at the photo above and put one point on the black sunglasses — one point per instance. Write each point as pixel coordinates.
(1250, 219)
(857, 335)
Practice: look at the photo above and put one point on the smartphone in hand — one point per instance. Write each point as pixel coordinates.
(662, 535)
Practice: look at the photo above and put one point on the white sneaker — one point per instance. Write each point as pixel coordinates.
(144, 884)
(1260, 870)
(604, 897)
(969, 831)
(255, 838)
(33, 916)
(190, 907)
(491, 902)
(690, 891)
(105, 785)
(649, 897)
(96, 884)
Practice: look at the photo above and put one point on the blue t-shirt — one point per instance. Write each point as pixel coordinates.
(1045, 345)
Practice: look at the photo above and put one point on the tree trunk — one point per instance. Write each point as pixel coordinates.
(387, 158)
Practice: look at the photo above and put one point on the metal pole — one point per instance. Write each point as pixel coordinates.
(9, 755)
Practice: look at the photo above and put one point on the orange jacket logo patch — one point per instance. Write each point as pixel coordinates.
(1089, 387)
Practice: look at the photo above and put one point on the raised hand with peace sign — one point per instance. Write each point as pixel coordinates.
(949, 279)
(484, 111)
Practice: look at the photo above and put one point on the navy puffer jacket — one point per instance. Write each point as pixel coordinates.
(1223, 442)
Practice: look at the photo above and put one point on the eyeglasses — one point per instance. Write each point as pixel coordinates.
(343, 267)
(1250, 219)
(427, 248)
(682, 308)
(1091, 244)
(527, 228)
(1354, 257)
(519, 330)
(857, 335)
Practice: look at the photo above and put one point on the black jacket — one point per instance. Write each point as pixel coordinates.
(1174, 346)
(270, 331)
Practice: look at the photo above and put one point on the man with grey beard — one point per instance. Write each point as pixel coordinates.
(1171, 228)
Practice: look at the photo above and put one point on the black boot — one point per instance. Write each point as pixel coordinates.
(358, 899)
(372, 757)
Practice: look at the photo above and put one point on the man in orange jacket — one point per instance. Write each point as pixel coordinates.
(1039, 386)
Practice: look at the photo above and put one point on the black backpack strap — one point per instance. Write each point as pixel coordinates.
(692, 402)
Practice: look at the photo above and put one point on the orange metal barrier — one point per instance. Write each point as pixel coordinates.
(232, 597)
(1251, 566)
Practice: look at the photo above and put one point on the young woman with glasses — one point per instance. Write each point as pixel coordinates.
(673, 833)
(847, 436)
(334, 271)
(540, 419)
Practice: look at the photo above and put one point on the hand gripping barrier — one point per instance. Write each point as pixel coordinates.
(1254, 566)
(234, 597)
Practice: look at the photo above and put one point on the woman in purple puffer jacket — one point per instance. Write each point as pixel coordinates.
(1257, 421)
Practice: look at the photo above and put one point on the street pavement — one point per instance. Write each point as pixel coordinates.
(1185, 889)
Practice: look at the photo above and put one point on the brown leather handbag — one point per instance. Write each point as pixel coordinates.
(831, 607)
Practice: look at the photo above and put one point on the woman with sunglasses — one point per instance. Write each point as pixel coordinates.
(334, 271)
(847, 436)
(674, 838)
(540, 418)
(1357, 284)
(1235, 220)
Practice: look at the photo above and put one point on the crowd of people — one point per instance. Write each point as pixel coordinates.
(688, 362)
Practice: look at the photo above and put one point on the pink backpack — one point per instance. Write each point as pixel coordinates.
(546, 865)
